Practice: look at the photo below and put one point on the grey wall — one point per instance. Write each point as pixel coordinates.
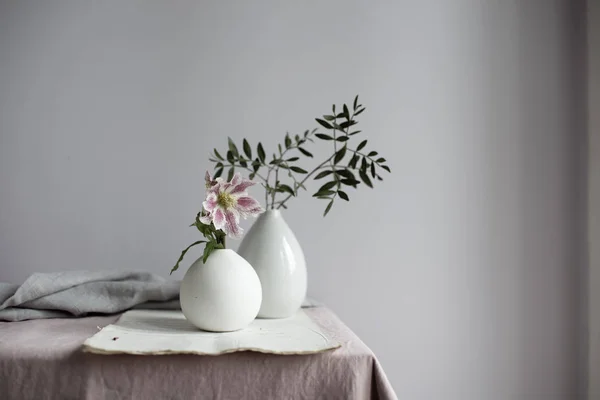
(460, 270)
(593, 17)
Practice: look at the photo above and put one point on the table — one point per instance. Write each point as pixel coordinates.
(42, 359)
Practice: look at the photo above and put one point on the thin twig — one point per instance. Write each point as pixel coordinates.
(306, 178)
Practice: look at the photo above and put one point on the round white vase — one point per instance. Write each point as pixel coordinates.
(222, 295)
(272, 249)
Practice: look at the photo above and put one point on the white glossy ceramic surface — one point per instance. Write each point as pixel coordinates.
(274, 252)
(222, 295)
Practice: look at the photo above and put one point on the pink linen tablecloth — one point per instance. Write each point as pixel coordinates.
(42, 359)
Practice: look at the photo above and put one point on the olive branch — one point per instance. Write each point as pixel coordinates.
(342, 167)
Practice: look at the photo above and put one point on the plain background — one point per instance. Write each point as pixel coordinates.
(461, 270)
(593, 22)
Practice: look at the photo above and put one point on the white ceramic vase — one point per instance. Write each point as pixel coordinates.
(274, 252)
(222, 295)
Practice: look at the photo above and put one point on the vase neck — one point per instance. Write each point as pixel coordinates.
(272, 214)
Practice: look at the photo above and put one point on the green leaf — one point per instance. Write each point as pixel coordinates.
(219, 165)
(342, 138)
(324, 123)
(386, 168)
(323, 136)
(288, 189)
(279, 148)
(355, 102)
(306, 153)
(363, 165)
(230, 173)
(339, 155)
(380, 160)
(343, 195)
(243, 163)
(230, 157)
(340, 115)
(233, 148)
(288, 140)
(347, 124)
(251, 176)
(350, 182)
(218, 173)
(327, 186)
(372, 154)
(255, 166)
(299, 170)
(365, 179)
(323, 174)
(353, 161)
(354, 133)
(346, 174)
(328, 117)
(207, 250)
(373, 174)
(197, 221)
(328, 208)
(292, 159)
(176, 267)
(361, 145)
(333, 109)
(261, 152)
(359, 111)
(247, 149)
(218, 155)
(346, 112)
(322, 193)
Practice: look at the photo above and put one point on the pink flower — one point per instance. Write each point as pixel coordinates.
(226, 202)
(211, 182)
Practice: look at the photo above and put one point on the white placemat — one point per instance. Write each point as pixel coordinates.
(168, 332)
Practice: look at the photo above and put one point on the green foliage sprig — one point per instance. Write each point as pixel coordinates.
(215, 239)
(347, 166)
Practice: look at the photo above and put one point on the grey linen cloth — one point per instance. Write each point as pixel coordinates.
(78, 293)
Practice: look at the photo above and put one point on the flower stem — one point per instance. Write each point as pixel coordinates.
(274, 187)
(266, 189)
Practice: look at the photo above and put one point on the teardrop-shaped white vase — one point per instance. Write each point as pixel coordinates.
(272, 249)
(222, 295)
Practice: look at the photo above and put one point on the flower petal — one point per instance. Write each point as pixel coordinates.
(236, 180)
(218, 218)
(248, 207)
(242, 186)
(211, 202)
(232, 224)
(206, 219)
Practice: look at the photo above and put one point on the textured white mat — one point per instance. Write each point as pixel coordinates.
(168, 332)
